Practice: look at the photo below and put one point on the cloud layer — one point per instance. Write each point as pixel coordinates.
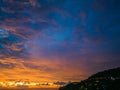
(58, 40)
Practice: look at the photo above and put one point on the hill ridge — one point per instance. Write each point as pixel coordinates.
(104, 80)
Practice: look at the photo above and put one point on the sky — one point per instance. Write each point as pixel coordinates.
(57, 41)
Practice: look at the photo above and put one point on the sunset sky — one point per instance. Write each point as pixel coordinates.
(57, 41)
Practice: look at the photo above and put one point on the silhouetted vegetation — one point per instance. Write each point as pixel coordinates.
(106, 80)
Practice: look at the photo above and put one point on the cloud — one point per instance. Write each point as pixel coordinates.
(59, 83)
(34, 3)
(11, 44)
(45, 84)
(44, 68)
(6, 65)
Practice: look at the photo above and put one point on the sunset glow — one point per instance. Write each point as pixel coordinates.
(50, 43)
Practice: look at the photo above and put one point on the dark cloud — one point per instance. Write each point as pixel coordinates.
(43, 68)
(11, 45)
(59, 83)
(6, 65)
(45, 84)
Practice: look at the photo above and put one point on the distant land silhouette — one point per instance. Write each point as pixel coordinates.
(106, 80)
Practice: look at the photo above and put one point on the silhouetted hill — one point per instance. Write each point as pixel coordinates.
(106, 80)
(109, 73)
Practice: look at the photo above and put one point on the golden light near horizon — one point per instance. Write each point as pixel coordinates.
(27, 84)
(35, 74)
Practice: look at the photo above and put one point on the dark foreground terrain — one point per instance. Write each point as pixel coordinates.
(106, 80)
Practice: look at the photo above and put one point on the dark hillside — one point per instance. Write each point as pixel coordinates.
(106, 80)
